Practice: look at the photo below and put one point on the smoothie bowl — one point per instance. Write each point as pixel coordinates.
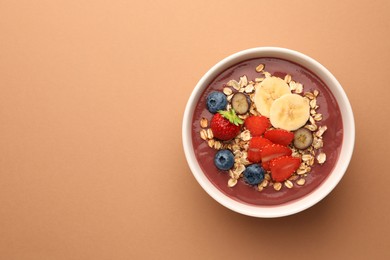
(268, 132)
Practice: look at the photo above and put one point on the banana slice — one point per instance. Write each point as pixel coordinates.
(289, 112)
(267, 92)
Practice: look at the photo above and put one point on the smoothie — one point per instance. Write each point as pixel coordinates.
(332, 138)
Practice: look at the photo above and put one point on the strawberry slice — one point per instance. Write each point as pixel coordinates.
(259, 142)
(273, 151)
(265, 166)
(279, 136)
(255, 146)
(254, 155)
(257, 124)
(283, 167)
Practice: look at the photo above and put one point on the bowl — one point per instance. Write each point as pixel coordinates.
(320, 191)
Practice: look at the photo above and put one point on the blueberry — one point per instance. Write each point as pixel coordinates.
(224, 160)
(254, 174)
(216, 101)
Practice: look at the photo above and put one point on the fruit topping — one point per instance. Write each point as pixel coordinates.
(279, 136)
(289, 112)
(267, 92)
(265, 166)
(240, 103)
(257, 125)
(254, 148)
(253, 174)
(273, 151)
(254, 155)
(216, 101)
(224, 159)
(283, 167)
(225, 125)
(303, 138)
(259, 142)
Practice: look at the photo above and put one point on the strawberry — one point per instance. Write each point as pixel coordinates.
(254, 155)
(255, 146)
(283, 167)
(257, 124)
(279, 136)
(273, 151)
(265, 166)
(259, 142)
(225, 125)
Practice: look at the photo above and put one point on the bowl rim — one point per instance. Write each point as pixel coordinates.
(325, 187)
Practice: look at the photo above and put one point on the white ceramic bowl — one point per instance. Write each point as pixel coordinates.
(329, 183)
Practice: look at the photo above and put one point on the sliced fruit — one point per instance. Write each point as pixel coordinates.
(265, 166)
(283, 167)
(289, 112)
(257, 124)
(273, 151)
(254, 155)
(267, 92)
(303, 138)
(240, 103)
(279, 136)
(254, 148)
(259, 142)
(225, 125)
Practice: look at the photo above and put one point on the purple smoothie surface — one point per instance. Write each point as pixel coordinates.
(333, 137)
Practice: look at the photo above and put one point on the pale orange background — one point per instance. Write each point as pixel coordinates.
(92, 95)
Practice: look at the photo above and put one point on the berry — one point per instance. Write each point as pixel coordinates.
(257, 125)
(240, 103)
(253, 174)
(283, 167)
(259, 142)
(225, 125)
(216, 101)
(265, 166)
(255, 146)
(303, 138)
(254, 155)
(273, 151)
(279, 136)
(224, 160)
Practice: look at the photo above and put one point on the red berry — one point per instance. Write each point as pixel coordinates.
(273, 151)
(257, 125)
(255, 146)
(279, 136)
(265, 166)
(283, 167)
(259, 142)
(222, 128)
(254, 155)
